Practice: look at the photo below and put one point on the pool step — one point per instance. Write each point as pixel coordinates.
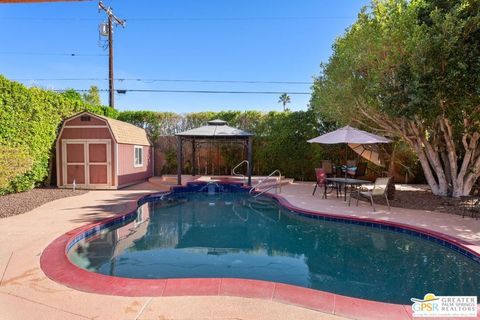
(272, 183)
(159, 183)
(166, 181)
(259, 204)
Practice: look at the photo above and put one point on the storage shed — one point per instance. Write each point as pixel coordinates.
(97, 152)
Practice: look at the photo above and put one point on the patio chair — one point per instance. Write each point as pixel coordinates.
(321, 176)
(471, 205)
(360, 170)
(379, 189)
(348, 169)
(351, 163)
(475, 208)
(328, 167)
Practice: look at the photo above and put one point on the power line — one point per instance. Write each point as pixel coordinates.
(237, 18)
(67, 54)
(167, 19)
(123, 91)
(166, 80)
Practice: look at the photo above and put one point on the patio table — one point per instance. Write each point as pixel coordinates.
(348, 182)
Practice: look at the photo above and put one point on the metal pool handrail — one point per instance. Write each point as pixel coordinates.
(237, 166)
(279, 180)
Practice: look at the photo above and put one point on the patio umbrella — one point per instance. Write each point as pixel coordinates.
(354, 137)
(349, 135)
(369, 152)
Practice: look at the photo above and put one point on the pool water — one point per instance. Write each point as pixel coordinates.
(233, 235)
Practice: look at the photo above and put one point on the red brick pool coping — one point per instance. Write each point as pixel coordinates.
(56, 265)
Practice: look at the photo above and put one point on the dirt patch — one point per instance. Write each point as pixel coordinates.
(425, 200)
(18, 203)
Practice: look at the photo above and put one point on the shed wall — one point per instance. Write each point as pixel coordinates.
(127, 172)
(78, 122)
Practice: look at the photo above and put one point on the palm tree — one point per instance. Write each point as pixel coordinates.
(284, 99)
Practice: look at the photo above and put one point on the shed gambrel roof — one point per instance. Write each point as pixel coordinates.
(123, 132)
(127, 133)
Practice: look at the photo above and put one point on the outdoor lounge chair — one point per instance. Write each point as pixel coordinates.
(321, 181)
(379, 189)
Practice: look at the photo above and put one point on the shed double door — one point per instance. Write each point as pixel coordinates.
(87, 163)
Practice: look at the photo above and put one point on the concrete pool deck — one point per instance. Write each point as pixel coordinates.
(25, 291)
(463, 228)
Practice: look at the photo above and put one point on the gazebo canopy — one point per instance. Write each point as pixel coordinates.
(214, 130)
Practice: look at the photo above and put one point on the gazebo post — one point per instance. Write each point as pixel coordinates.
(215, 129)
(250, 158)
(179, 160)
(194, 163)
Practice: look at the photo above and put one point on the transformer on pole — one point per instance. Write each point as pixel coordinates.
(106, 30)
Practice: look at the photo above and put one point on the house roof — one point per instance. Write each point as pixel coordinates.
(215, 128)
(123, 132)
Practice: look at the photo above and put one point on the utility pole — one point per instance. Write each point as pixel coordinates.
(112, 19)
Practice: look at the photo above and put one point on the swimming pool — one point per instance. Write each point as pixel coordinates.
(233, 235)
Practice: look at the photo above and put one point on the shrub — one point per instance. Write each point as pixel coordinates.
(29, 120)
(13, 163)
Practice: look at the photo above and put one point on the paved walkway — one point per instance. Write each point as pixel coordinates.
(26, 293)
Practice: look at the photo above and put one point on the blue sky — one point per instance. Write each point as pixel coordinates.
(266, 40)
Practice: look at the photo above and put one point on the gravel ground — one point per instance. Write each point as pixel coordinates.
(425, 200)
(421, 199)
(18, 203)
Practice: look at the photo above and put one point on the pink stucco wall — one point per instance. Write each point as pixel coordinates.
(78, 122)
(127, 172)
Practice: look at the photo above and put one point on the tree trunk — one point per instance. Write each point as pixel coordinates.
(467, 186)
(436, 186)
(391, 162)
(446, 165)
(437, 148)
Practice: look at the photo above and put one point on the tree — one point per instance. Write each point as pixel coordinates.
(72, 95)
(155, 123)
(410, 69)
(284, 99)
(92, 96)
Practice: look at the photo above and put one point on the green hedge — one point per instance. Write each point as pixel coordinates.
(29, 119)
(280, 140)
